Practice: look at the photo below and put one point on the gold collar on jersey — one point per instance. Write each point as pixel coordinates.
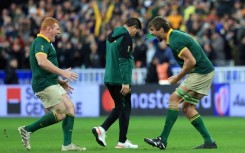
(167, 39)
(41, 35)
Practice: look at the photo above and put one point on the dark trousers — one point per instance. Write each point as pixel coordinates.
(121, 111)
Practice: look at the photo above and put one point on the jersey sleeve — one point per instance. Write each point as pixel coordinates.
(125, 46)
(124, 59)
(41, 48)
(177, 47)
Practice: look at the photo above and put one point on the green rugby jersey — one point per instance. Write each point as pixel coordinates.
(42, 78)
(178, 41)
(119, 59)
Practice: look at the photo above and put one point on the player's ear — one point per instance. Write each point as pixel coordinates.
(162, 30)
(48, 28)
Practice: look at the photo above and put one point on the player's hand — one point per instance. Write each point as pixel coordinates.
(65, 85)
(173, 80)
(125, 89)
(69, 75)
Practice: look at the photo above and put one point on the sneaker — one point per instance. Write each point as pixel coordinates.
(157, 142)
(126, 144)
(99, 134)
(25, 137)
(72, 147)
(207, 146)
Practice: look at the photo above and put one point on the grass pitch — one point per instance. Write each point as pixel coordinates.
(229, 133)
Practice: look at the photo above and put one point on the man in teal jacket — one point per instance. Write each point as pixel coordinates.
(118, 78)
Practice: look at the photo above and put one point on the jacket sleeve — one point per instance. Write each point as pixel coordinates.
(124, 59)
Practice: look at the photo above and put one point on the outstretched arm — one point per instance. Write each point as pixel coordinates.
(47, 65)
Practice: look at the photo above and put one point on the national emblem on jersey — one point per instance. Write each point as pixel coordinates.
(42, 48)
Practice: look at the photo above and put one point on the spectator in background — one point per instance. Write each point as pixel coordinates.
(217, 43)
(94, 57)
(17, 50)
(159, 69)
(175, 19)
(209, 52)
(101, 42)
(140, 54)
(25, 61)
(240, 37)
(164, 62)
(10, 71)
(21, 20)
(152, 76)
(65, 51)
(4, 49)
(208, 43)
(241, 51)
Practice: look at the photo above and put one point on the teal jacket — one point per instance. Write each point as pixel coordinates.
(119, 59)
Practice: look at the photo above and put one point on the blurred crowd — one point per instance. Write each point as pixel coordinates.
(218, 25)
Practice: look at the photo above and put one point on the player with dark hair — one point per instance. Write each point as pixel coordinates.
(118, 78)
(51, 89)
(200, 73)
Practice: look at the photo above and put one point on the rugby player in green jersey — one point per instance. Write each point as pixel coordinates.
(200, 73)
(51, 89)
(118, 79)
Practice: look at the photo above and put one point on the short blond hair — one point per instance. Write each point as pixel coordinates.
(48, 22)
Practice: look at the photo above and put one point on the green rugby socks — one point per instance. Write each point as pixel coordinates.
(198, 123)
(67, 127)
(172, 116)
(46, 120)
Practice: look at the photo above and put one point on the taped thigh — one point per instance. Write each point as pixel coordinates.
(186, 96)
